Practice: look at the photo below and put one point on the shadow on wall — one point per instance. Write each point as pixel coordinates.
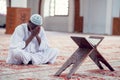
(2, 21)
(3, 26)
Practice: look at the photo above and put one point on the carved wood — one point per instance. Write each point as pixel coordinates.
(16, 16)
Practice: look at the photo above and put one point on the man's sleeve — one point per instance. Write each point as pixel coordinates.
(44, 41)
(17, 39)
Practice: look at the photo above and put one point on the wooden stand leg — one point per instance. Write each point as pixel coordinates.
(97, 57)
(76, 59)
(66, 64)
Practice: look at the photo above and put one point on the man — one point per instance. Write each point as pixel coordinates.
(29, 44)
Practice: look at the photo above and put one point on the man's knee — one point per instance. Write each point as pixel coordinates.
(17, 53)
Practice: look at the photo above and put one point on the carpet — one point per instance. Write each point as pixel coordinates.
(109, 48)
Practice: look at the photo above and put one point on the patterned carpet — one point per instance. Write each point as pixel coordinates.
(109, 48)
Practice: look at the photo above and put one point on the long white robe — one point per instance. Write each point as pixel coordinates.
(34, 52)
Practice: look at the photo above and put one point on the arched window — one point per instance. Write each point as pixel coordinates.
(59, 7)
(3, 7)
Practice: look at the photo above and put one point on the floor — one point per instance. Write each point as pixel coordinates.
(109, 48)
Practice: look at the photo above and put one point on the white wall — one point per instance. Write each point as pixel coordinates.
(71, 16)
(3, 17)
(116, 8)
(2, 20)
(33, 4)
(20, 3)
(108, 27)
(56, 23)
(98, 15)
(94, 13)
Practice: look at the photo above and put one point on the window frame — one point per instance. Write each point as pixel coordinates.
(54, 10)
(4, 13)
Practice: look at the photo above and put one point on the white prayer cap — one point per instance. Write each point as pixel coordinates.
(36, 19)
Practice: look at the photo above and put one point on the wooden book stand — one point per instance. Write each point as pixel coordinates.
(84, 50)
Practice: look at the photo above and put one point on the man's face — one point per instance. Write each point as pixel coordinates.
(32, 26)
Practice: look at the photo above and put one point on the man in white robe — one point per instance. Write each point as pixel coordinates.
(29, 44)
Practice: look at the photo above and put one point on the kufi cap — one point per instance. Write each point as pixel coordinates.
(36, 19)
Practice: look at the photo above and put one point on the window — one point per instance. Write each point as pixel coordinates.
(58, 7)
(3, 6)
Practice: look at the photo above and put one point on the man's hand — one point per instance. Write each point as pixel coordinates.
(35, 31)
